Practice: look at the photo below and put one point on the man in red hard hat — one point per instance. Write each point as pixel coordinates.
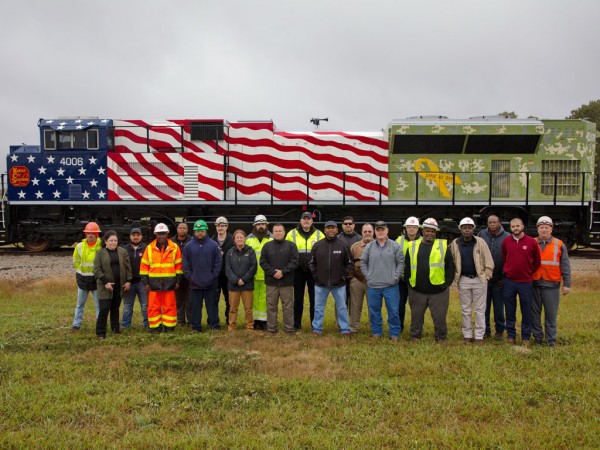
(83, 261)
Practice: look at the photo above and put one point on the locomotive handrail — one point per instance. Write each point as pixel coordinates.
(531, 187)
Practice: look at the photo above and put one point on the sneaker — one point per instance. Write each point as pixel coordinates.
(316, 334)
(468, 340)
(75, 330)
(479, 342)
(394, 338)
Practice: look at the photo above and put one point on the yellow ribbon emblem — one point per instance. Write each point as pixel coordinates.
(434, 174)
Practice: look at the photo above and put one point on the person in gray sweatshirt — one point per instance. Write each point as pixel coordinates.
(382, 264)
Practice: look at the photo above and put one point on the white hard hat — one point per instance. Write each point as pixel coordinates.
(412, 221)
(430, 223)
(161, 228)
(466, 221)
(544, 220)
(260, 219)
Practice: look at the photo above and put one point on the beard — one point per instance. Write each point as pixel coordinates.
(259, 232)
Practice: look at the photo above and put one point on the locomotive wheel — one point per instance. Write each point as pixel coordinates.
(36, 246)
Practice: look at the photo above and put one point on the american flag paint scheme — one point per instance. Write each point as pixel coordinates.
(161, 160)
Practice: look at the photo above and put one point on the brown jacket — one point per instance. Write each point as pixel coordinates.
(357, 250)
(482, 257)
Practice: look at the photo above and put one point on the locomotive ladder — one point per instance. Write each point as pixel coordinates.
(595, 228)
(3, 213)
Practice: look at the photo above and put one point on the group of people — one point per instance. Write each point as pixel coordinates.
(173, 278)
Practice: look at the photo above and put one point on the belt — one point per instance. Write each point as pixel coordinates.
(470, 276)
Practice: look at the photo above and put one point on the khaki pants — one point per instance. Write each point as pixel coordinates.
(234, 303)
(286, 293)
(472, 293)
(358, 289)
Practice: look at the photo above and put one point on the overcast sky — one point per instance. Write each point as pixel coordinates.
(359, 63)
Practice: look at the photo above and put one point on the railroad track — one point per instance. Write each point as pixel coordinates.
(12, 250)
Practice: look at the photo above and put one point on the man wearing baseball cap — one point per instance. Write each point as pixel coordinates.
(225, 241)
(304, 236)
(330, 266)
(555, 267)
(382, 264)
(135, 250)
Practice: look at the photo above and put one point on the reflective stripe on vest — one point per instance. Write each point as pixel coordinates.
(401, 240)
(550, 268)
(257, 246)
(436, 262)
(84, 264)
(308, 243)
(161, 269)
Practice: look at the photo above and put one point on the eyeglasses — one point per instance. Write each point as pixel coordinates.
(348, 223)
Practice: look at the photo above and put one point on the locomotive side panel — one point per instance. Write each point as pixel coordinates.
(300, 167)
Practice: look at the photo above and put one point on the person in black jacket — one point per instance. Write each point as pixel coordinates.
(279, 260)
(331, 263)
(135, 250)
(240, 267)
(225, 241)
(182, 293)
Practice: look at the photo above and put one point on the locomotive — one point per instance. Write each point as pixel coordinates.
(125, 173)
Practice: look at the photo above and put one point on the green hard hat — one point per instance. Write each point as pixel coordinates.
(200, 225)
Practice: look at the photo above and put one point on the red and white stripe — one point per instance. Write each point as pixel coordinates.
(153, 161)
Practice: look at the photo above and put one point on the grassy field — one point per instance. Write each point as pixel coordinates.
(247, 389)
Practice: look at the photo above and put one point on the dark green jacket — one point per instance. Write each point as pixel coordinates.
(103, 272)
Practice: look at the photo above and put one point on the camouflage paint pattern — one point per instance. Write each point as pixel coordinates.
(468, 177)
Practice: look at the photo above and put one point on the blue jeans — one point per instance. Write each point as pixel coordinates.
(495, 297)
(391, 294)
(140, 290)
(525, 292)
(211, 299)
(82, 296)
(339, 295)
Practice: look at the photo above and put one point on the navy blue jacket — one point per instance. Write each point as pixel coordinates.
(202, 263)
(495, 245)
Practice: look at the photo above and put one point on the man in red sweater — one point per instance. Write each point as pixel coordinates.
(521, 256)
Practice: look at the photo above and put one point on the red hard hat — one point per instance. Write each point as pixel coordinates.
(92, 227)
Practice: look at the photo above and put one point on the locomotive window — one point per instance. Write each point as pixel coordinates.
(427, 144)
(49, 140)
(92, 139)
(502, 143)
(79, 139)
(65, 140)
